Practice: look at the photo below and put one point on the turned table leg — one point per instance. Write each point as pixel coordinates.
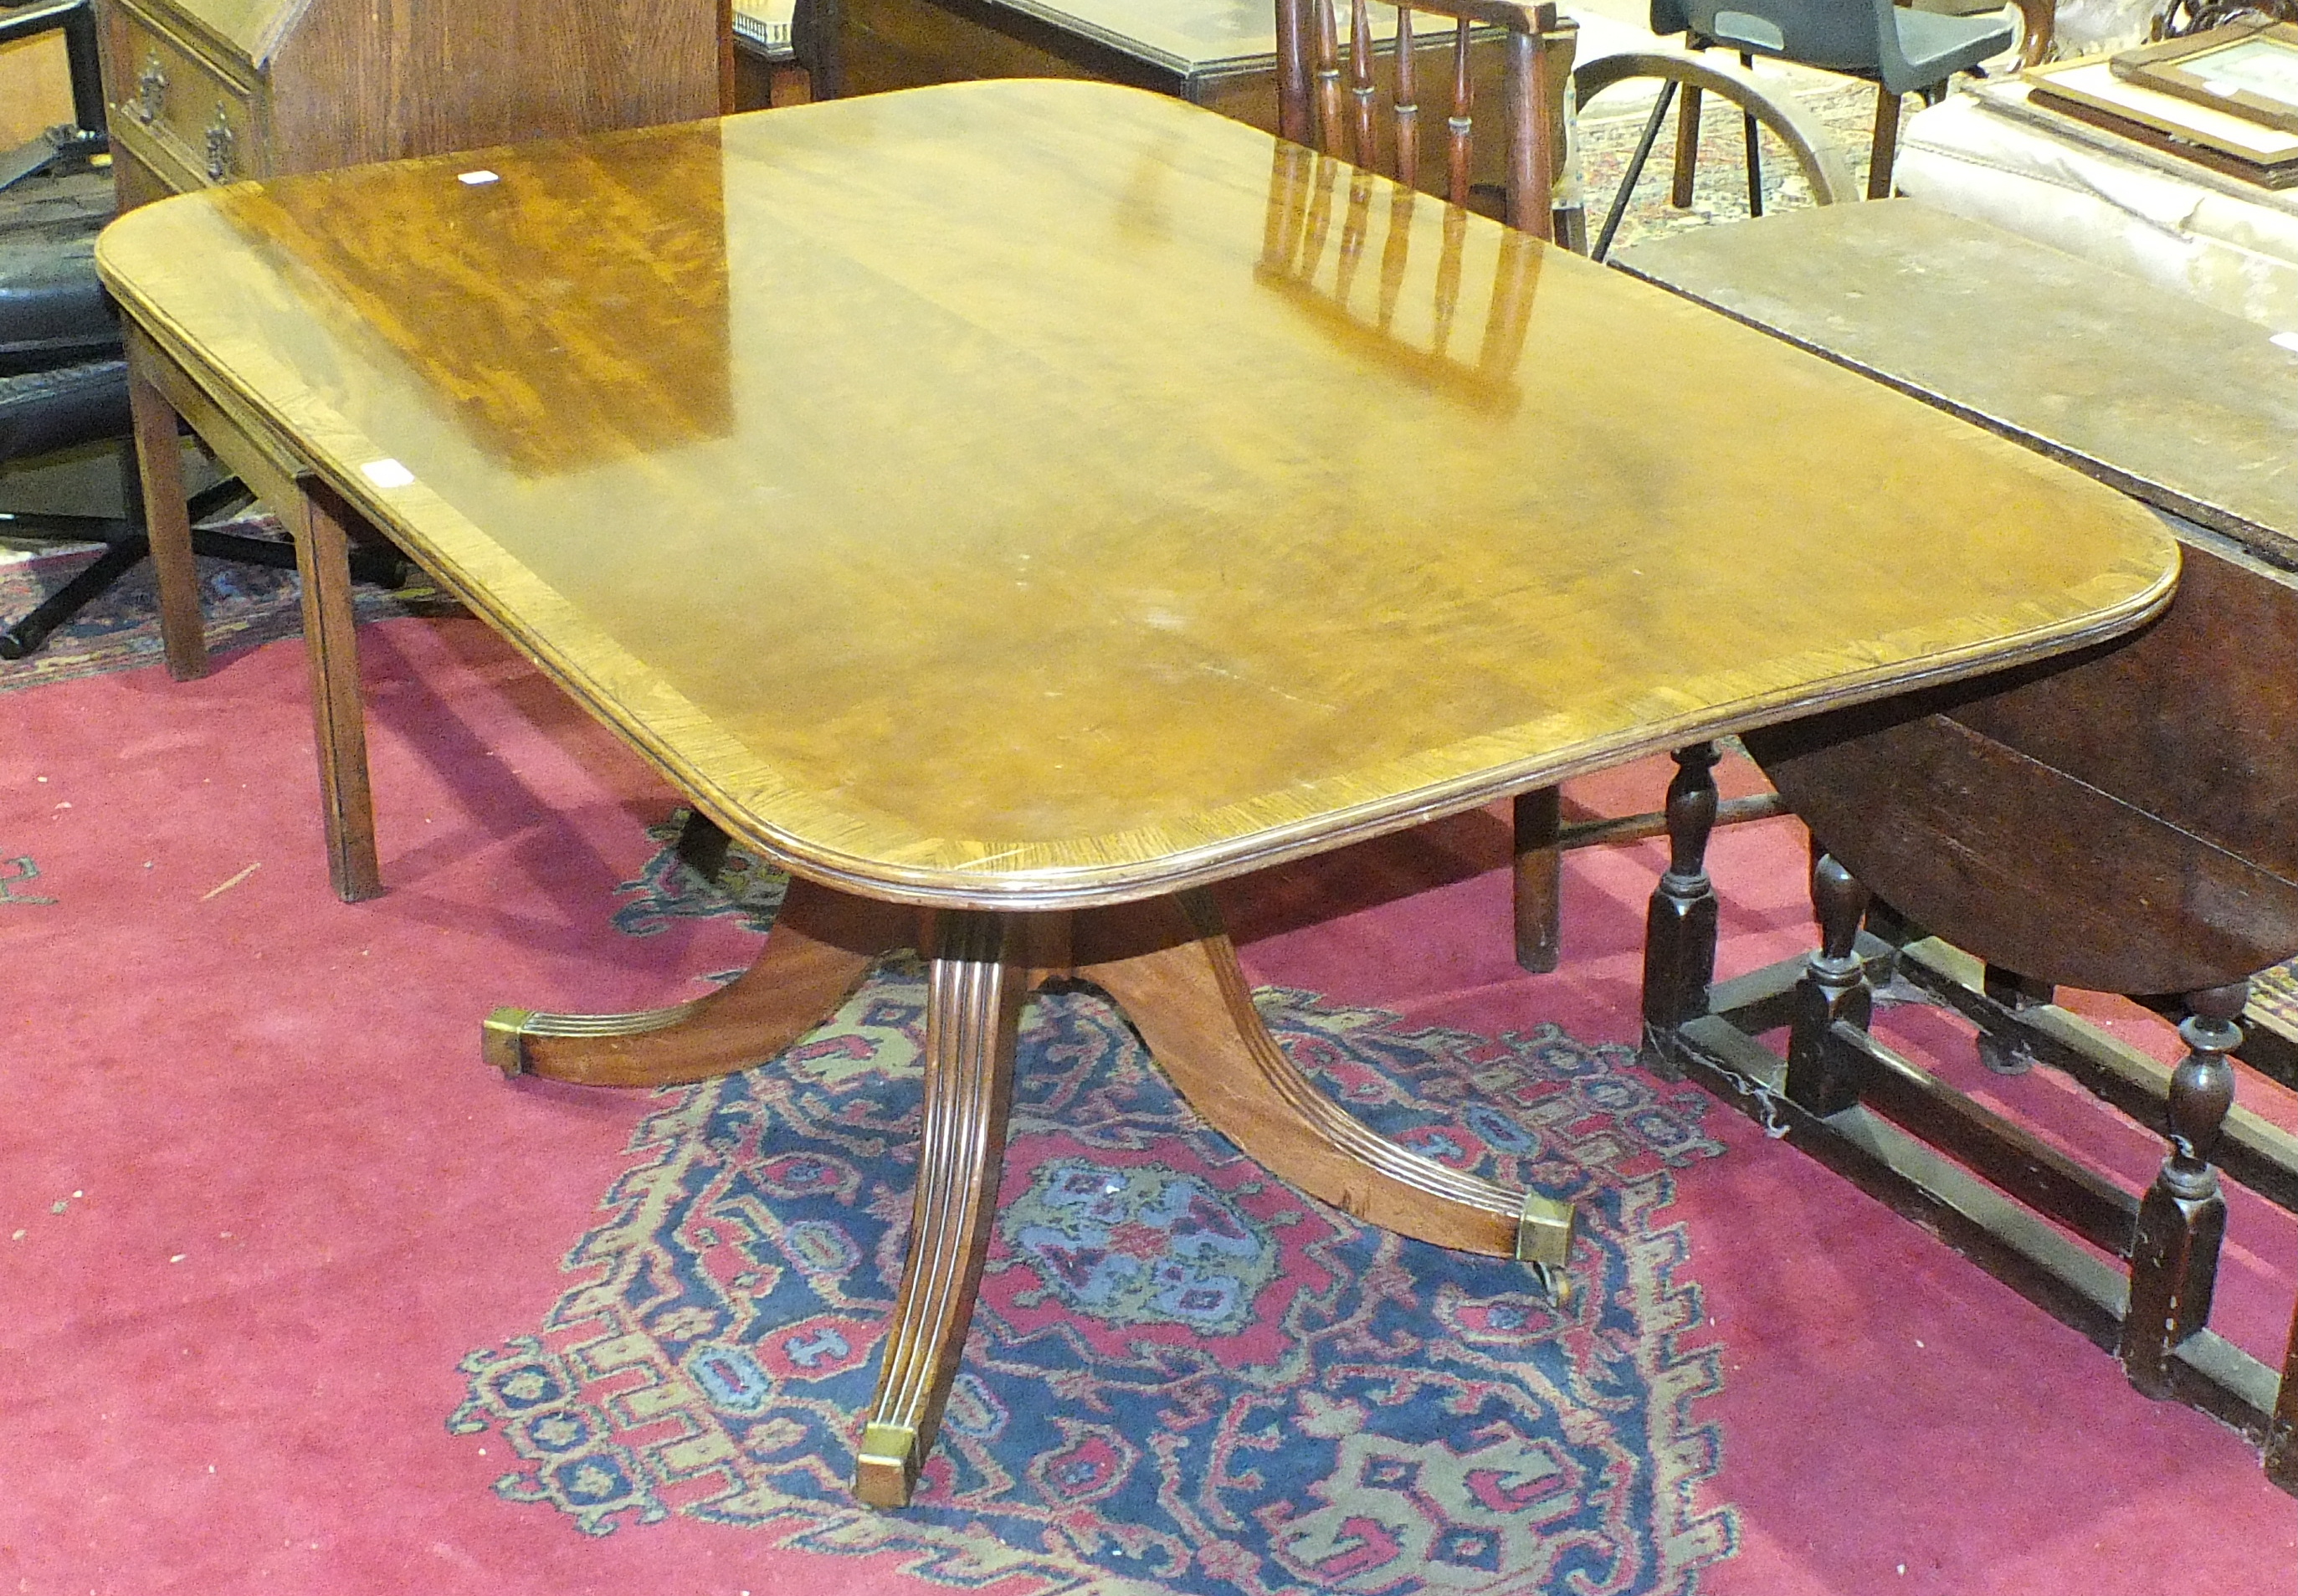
(1834, 987)
(2174, 1258)
(1679, 928)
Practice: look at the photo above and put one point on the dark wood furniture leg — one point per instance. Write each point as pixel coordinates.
(1538, 878)
(1171, 968)
(1882, 155)
(2006, 1054)
(822, 944)
(1679, 928)
(972, 1009)
(1834, 987)
(319, 524)
(2281, 1453)
(2174, 1257)
(1687, 148)
(316, 521)
(701, 846)
(168, 523)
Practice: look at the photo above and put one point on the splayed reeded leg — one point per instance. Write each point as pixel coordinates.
(1171, 967)
(979, 974)
(822, 945)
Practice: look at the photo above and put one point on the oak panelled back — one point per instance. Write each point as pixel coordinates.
(1317, 107)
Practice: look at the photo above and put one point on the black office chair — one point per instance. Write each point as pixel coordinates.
(63, 374)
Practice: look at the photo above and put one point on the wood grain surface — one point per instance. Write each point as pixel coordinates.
(1051, 552)
(2174, 402)
(2126, 821)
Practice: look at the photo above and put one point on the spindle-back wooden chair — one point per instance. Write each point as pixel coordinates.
(1334, 108)
(1341, 117)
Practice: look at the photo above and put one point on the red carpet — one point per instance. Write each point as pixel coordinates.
(263, 1198)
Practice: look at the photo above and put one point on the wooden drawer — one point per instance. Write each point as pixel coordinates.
(190, 119)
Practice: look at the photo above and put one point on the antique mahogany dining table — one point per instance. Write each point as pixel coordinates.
(1014, 506)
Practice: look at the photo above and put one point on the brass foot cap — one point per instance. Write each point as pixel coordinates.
(502, 1040)
(1543, 1231)
(886, 1467)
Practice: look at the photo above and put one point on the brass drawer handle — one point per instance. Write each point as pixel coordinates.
(222, 143)
(150, 92)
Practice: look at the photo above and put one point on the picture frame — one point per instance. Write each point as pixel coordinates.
(2248, 69)
(2214, 135)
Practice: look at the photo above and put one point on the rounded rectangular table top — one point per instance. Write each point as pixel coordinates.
(1030, 493)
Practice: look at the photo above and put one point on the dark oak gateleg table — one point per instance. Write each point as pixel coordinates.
(1016, 507)
(2122, 820)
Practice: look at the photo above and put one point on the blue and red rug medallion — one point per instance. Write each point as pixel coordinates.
(1182, 1376)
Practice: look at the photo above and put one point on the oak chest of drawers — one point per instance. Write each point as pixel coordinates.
(212, 91)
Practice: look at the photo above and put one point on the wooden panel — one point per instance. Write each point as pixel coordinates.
(315, 83)
(2197, 725)
(2127, 824)
(432, 78)
(35, 88)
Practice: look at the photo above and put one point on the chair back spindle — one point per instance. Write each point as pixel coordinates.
(1331, 226)
(1335, 109)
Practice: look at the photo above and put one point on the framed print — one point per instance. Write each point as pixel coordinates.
(2248, 69)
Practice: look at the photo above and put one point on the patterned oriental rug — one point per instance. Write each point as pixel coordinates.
(1182, 1377)
(1610, 124)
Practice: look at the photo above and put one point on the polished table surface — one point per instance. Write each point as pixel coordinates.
(1022, 498)
(942, 486)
